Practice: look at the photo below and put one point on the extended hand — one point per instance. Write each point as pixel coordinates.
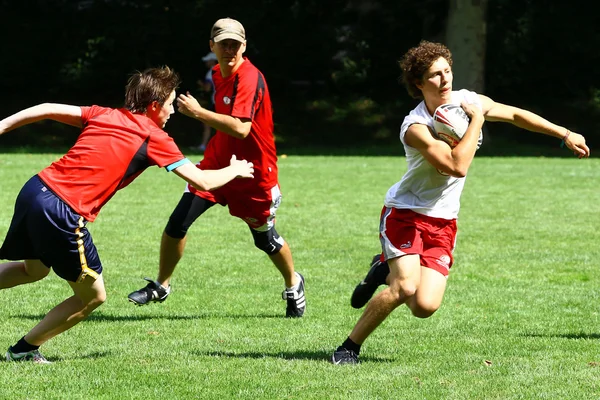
(188, 105)
(243, 168)
(576, 142)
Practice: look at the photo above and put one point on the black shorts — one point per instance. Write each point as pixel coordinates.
(45, 228)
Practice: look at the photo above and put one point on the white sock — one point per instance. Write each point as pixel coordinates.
(297, 285)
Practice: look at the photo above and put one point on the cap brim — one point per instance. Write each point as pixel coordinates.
(228, 35)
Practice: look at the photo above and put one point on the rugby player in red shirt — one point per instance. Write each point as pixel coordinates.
(48, 228)
(244, 123)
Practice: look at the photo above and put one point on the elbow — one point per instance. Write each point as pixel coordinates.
(242, 133)
(460, 173)
(201, 186)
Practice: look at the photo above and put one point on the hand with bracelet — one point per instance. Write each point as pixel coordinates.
(576, 143)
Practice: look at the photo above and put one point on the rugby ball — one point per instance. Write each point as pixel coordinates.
(450, 123)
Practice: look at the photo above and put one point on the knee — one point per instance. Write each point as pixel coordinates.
(175, 229)
(423, 309)
(270, 242)
(402, 289)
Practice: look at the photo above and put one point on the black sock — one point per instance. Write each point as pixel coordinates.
(23, 347)
(350, 345)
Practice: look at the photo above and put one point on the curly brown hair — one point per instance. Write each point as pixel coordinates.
(153, 84)
(416, 62)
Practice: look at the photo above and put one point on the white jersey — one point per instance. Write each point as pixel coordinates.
(423, 189)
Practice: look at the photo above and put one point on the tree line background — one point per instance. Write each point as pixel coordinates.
(331, 65)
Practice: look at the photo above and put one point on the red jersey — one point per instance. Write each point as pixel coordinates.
(114, 147)
(244, 94)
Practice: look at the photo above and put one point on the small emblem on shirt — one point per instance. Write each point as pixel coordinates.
(226, 100)
(444, 261)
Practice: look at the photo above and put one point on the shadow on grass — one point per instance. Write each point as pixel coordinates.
(580, 335)
(90, 356)
(131, 318)
(288, 355)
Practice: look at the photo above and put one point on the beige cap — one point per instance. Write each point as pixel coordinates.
(227, 28)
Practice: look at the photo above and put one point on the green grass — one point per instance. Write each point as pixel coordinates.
(519, 320)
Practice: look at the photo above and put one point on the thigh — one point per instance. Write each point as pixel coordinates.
(398, 233)
(431, 290)
(89, 289)
(258, 209)
(189, 208)
(439, 239)
(64, 243)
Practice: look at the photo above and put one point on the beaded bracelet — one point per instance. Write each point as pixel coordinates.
(562, 143)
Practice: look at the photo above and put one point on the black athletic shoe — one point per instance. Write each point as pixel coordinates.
(152, 292)
(365, 289)
(344, 356)
(296, 302)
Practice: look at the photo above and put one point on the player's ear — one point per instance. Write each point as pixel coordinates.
(243, 47)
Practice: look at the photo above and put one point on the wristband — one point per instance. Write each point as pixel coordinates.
(562, 143)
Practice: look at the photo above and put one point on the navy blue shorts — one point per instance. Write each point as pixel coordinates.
(45, 228)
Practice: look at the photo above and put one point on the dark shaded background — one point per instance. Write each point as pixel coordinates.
(331, 65)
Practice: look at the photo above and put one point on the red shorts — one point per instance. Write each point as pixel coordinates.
(405, 232)
(257, 207)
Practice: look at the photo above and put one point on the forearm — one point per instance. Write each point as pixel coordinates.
(464, 152)
(206, 179)
(532, 122)
(221, 122)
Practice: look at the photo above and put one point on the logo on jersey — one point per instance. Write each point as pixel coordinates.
(444, 261)
(226, 100)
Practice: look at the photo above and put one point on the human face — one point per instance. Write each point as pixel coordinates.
(436, 85)
(160, 113)
(229, 54)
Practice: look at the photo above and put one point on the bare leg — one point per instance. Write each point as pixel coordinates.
(430, 294)
(171, 251)
(284, 263)
(88, 296)
(18, 273)
(404, 278)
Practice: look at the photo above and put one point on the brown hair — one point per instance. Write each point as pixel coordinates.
(144, 88)
(416, 62)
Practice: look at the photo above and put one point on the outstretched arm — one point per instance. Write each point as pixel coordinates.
(213, 179)
(70, 115)
(494, 111)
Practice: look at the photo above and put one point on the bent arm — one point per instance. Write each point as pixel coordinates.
(452, 161)
(239, 128)
(66, 114)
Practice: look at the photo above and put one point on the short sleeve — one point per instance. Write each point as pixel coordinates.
(162, 150)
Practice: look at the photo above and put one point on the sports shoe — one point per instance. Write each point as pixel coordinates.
(153, 292)
(34, 356)
(344, 356)
(296, 302)
(375, 277)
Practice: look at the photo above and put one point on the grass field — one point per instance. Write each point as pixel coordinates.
(520, 319)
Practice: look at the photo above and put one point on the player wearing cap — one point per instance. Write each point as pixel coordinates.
(244, 126)
(418, 220)
(48, 228)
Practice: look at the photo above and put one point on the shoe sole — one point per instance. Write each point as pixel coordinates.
(137, 303)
